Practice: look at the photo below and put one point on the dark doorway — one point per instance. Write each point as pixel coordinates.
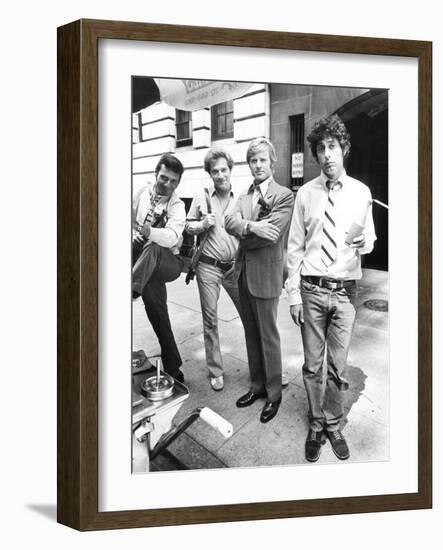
(366, 119)
(296, 148)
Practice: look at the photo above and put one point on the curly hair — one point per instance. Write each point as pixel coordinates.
(329, 126)
(213, 155)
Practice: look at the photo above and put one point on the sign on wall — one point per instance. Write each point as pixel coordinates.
(297, 165)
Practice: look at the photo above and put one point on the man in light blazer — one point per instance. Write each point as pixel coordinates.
(260, 220)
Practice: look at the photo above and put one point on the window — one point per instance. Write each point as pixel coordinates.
(183, 128)
(222, 120)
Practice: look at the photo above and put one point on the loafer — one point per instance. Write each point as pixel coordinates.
(269, 410)
(313, 445)
(217, 383)
(338, 444)
(248, 399)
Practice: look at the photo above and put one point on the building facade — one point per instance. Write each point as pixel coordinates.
(283, 113)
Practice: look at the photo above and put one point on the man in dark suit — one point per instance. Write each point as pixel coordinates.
(260, 220)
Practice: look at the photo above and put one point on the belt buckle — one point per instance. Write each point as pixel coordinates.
(330, 285)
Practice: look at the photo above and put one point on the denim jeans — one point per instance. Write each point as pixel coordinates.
(209, 280)
(329, 317)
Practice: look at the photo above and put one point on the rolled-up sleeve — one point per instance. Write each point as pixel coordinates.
(194, 225)
(296, 250)
(170, 235)
(369, 232)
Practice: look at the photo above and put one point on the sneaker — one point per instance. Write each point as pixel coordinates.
(313, 445)
(338, 444)
(217, 383)
(284, 380)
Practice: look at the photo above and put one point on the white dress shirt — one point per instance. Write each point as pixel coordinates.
(352, 200)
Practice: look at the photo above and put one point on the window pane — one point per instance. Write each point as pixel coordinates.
(183, 127)
(222, 116)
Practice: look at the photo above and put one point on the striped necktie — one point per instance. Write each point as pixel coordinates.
(329, 242)
(256, 193)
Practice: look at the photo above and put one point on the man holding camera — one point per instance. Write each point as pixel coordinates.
(158, 221)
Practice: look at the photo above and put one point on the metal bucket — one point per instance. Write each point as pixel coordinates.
(158, 388)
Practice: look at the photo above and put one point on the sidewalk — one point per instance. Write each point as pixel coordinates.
(281, 441)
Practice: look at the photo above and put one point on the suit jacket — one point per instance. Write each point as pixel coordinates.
(262, 258)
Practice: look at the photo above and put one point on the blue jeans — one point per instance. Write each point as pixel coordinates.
(329, 317)
(209, 280)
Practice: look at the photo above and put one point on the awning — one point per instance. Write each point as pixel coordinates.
(186, 95)
(192, 95)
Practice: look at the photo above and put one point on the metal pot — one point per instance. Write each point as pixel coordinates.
(158, 388)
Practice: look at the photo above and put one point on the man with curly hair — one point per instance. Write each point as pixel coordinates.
(331, 228)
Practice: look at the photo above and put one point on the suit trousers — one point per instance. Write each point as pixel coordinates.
(162, 267)
(259, 316)
(329, 317)
(210, 279)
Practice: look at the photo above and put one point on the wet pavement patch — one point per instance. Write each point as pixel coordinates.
(356, 378)
(376, 305)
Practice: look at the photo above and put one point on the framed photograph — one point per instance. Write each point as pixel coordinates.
(156, 425)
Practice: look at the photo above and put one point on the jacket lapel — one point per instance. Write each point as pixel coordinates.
(247, 205)
(270, 192)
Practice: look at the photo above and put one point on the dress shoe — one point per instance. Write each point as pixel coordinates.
(269, 410)
(217, 383)
(338, 444)
(313, 445)
(179, 376)
(248, 399)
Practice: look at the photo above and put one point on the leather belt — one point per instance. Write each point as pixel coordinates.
(224, 266)
(331, 284)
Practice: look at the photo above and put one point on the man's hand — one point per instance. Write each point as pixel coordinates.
(297, 314)
(358, 242)
(228, 273)
(146, 230)
(138, 238)
(265, 230)
(208, 221)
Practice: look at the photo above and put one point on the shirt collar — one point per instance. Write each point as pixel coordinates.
(342, 179)
(212, 190)
(263, 186)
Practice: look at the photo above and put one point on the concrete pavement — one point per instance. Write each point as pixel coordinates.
(281, 441)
